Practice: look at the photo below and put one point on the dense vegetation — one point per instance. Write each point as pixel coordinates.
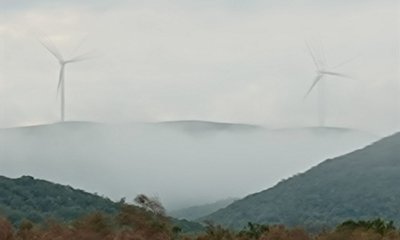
(135, 223)
(360, 185)
(28, 199)
(37, 200)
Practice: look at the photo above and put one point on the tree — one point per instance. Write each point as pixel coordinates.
(150, 204)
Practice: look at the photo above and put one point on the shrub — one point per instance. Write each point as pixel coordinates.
(6, 230)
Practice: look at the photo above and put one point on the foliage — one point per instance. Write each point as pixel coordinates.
(25, 200)
(377, 225)
(142, 225)
(150, 204)
(254, 231)
(130, 222)
(216, 232)
(37, 200)
(359, 185)
(189, 227)
(6, 230)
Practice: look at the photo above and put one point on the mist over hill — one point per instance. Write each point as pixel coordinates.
(176, 161)
(361, 185)
(205, 127)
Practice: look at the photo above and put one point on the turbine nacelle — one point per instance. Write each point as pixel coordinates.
(322, 71)
(319, 60)
(61, 85)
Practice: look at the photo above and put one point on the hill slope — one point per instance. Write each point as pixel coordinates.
(177, 161)
(195, 212)
(38, 200)
(204, 127)
(360, 185)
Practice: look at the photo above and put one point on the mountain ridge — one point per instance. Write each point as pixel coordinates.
(335, 190)
(192, 124)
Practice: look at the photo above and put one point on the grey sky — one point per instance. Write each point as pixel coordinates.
(234, 61)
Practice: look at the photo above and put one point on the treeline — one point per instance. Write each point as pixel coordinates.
(37, 200)
(149, 222)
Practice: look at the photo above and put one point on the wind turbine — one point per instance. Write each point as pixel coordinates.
(63, 63)
(323, 71)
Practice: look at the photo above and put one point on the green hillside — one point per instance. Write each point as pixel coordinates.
(37, 200)
(360, 185)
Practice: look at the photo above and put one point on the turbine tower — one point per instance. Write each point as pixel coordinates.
(323, 71)
(63, 63)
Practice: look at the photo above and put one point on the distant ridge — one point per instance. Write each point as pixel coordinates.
(325, 130)
(189, 124)
(199, 211)
(361, 185)
(197, 126)
(53, 124)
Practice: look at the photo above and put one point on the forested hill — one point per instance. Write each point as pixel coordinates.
(360, 185)
(37, 200)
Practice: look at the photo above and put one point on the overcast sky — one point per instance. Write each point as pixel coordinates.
(220, 60)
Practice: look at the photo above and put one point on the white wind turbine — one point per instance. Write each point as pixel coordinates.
(323, 71)
(63, 63)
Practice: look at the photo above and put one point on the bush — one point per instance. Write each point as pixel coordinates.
(6, 230)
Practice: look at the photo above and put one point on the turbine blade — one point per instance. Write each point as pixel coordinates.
(335, 74)
(52, 49)
(80, 58)
(347, 61)
(310, 51)
(316, 80)
(79, 45)
(322, 52)
(60, 80)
